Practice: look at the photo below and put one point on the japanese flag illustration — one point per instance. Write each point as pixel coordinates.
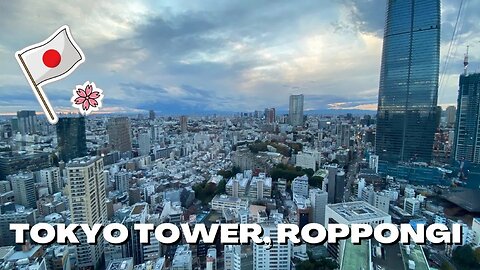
(48, 61)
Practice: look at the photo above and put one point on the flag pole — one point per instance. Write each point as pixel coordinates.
(44, 101)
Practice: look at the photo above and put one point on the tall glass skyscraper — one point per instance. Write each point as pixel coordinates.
(71, 137)
(466, 146)
(295, 112)
(408, 91)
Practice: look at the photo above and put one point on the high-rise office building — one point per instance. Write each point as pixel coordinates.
(87, 205)
(23, 185)
(122, 180)
(27, 122)
(335, 184)
(238, 257)
(407, 100)
(300, 186)
(318, 202)
(12, 213)
(450, 115)
(270, 115)
(277, 257)
(119, 138)
(71, 137)
(151, 115)
(144, 144)
(466, 144)
(51, 176)
(133, 248)
(295, 112)
(183, 123)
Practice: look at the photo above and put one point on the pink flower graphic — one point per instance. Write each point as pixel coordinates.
(87, 97)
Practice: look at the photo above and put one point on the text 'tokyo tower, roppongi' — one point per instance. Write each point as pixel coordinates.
(408, 90)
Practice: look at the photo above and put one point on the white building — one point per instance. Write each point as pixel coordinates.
(260, 187)
(211, 260)
(144, 144)
(87, 205)
(235, 259)
(409, 192)
(306, 160)
(300, 186)
(51, 176)
(122, 180)
(368, 194)
(277, 257)
(318, 202)
(381, 200)
(360, 186)
(352, 213)
(411, 206)
(373, 163)
(236, 186)
(221, 202)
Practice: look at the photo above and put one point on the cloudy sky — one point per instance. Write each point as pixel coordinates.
(206, 56)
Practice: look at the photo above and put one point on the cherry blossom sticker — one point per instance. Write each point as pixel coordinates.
(87, 98)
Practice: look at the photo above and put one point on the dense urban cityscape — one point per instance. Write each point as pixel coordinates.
(410, 162)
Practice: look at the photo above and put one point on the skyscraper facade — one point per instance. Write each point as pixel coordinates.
(466, 144)
(87, 205)
(151, 115)
(144, 144)
(183, 123)
(318, 201)
(119, 138)
(295, 113)
(27, 122)
(71, 137)
(408, 89)
(270, 115)
(23, 185)
(450, 114)
(277, 257)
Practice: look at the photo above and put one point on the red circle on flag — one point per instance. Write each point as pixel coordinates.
(51, 58)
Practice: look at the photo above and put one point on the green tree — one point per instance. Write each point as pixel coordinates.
(477, 254)
(315, 181)
(464, 257)
(305, 265)
(446, 266)
(221, 187)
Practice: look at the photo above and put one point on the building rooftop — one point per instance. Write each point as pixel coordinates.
(242, 182)
(301, 202)
(356, 257)
(5, 252)
(183, 255)
(19, 255)
(267, 181)
(323, 173)
(82, 161)
(414, 253)
(151, 265)
(225, 198)
(356, 211)
(121, 264)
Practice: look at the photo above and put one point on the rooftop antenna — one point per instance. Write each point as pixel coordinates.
(465, 62)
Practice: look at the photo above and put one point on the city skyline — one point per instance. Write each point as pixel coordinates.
(198, 61)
